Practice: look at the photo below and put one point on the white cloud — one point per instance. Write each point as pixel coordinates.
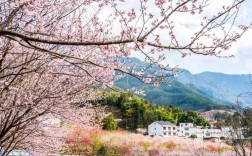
(240, 64)
(187, 25)
(246, 41)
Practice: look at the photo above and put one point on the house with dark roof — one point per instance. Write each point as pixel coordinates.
(162, 128)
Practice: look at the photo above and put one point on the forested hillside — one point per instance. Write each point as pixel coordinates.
(177, 94)
(139, 113)
(192, 91)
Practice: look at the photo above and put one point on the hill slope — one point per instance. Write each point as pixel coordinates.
(193, 91)
(177, 94)
(221, 86)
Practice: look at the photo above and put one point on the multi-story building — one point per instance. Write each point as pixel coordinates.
(188, 129)
(212, 133)
(165, 129)
(162, 128)
(232, 133)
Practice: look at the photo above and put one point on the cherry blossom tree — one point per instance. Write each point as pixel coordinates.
(97, 33)
(32, 86)
(57, 53)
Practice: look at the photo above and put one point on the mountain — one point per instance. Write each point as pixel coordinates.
(193, 91)
(177, 94)
(223, 87)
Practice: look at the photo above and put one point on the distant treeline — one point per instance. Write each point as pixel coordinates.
(139, 113)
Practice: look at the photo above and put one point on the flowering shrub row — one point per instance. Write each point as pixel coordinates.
(94, 141)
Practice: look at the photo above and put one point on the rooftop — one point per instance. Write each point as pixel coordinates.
(165, 123)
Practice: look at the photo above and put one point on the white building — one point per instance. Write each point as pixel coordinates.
(212, 133)
(206, 116)
(165, 129)
(18, 153)
(230, 133)
(162, 128)
(188, 129)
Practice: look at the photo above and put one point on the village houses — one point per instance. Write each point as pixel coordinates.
(166, 129)
(162, 128)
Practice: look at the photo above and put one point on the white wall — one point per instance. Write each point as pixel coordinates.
(162, 130)
(186, 130)
(231, 133)
(155, 129)
(170, 130)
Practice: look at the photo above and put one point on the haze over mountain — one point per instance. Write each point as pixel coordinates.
(194, 91)
(218, 85)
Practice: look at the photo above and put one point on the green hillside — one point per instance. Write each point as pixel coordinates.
(191, 91)
(178, 94)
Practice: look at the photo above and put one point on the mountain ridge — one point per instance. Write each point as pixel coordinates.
(187, 88)
(219, 85)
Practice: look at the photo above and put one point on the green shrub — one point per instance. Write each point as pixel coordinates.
(105, 150)
(193, 136)
(109, 123)
(222, 138)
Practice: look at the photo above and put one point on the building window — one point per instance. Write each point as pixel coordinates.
(186, 134)
(155, 128)
(164, 133)
(174, 134)
(169, 128)
(174, 128)
(186, 124)
(186, 128)
(164, 128)
(207, 134)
